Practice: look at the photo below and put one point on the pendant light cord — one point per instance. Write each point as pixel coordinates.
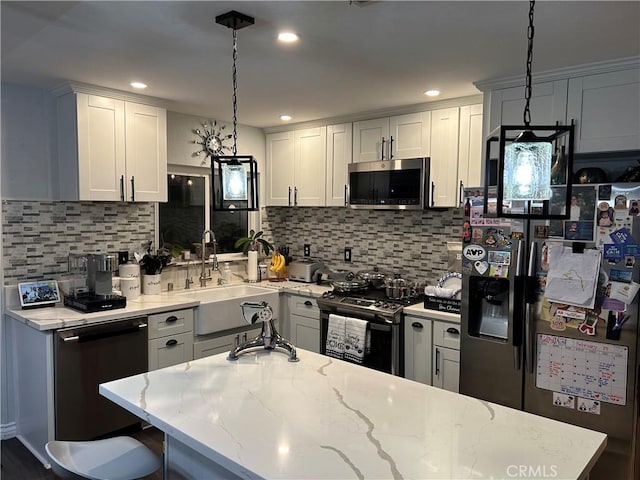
(527, 90)
(234, 74)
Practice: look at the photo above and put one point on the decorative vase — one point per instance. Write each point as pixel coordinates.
(252, 266)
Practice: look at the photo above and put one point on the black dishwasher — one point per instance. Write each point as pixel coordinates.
(86, 357)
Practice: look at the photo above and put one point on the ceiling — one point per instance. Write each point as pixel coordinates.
(352, 57)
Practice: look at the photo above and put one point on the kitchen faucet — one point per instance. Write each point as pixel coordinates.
(214, 266)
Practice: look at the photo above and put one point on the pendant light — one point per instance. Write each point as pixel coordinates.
(234, 177)
(527, 154)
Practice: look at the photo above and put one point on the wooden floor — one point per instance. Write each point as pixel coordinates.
(19, 464)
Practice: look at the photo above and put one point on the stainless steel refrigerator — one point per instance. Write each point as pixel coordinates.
(526, 346)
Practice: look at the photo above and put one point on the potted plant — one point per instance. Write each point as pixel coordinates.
(250, 247)
(253, 243)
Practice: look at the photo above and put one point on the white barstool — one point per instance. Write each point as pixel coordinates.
(117, 458)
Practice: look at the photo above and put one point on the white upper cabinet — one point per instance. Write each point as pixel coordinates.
(470, 147)
(309, 169)
(606, 111)
(392, 138)
(296, 164)
(603, 101)
(280, 179)
(339, 151)
(548, 105)
(409, 135)
(111, 150)
(444, 157)
(368, 138)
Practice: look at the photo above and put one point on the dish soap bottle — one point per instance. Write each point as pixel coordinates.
(226, 274)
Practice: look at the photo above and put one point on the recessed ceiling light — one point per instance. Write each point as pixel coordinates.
(285, 118)
(432, 93)
(138, 85)
(287, 37)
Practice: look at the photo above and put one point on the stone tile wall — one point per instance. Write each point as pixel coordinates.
(37, 237)
(406, 242)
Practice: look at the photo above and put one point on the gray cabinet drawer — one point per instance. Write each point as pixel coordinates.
(170, 350)
(446, 335)
(304, 306)
(170, 323)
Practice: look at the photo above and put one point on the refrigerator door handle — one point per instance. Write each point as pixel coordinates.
(517, 328)
(530, 299)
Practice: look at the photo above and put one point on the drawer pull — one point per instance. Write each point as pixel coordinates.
(453, 331)
(308, 303)
(171, 343)
(171, 319)
(417, 325)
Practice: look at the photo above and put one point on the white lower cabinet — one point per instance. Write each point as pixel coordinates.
(304, 322)
(446, 355)
(417, 349)
(170, 338)
(224, 342)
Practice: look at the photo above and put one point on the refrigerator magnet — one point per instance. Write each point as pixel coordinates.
(587, 405)
(498, 271)
(634, 208)
(612, 253)
(558, 323)
(622, 236)
(620, 203)
(589, 325)
(564, 400)
(624, 292)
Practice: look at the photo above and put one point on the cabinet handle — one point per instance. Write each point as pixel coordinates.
(237, 340)
(289, 200)
(461, 192)
(171, 343)
(417, 325)
(170, 319)
(437, 361)
(308, 303)
(122, 188)
(295, 196)
(391, 148)
(433, 193)
(345, 195)
(133, 189)
(244, 337)
(453, 331)
(382, 152)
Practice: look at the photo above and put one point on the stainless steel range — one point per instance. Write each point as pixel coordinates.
(384, 319)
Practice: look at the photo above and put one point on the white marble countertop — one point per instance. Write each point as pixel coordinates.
(51, 318)
(420, 311)
(264, 417)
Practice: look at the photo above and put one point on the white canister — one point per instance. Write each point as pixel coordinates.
(115, 283)
(252, 266)
(130, 287)
(129, 270)
(151, 284)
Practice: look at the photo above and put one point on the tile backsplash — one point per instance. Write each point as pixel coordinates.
(407, 242)
(37, 237)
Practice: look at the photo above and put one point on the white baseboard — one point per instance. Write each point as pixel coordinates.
(8, 430)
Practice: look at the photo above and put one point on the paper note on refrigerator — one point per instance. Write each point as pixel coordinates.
(572, 277)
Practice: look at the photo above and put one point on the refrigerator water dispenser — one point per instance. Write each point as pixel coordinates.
(489, 307)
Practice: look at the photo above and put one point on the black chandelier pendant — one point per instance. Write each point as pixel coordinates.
(535, 163)
(234, 178)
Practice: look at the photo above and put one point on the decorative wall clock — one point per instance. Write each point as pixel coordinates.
(212, 139)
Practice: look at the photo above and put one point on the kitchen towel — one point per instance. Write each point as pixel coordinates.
(355, 339)
(335, 336)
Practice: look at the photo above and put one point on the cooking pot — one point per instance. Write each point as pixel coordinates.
(348, 283)
(374, 277)
(396, 287)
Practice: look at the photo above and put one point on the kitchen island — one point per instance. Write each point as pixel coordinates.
(265, 417)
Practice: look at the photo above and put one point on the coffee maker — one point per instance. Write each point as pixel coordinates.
(95, 294)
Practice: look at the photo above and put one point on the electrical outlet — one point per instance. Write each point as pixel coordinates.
(347, 254)
(307, 249)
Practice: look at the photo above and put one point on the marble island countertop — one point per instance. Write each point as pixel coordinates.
(52, 318)
(264, 417)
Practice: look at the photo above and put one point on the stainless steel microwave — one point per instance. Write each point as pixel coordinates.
(389, 185)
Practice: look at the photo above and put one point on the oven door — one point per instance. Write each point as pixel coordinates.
(384, 353)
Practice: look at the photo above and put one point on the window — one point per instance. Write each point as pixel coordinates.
(188, 213)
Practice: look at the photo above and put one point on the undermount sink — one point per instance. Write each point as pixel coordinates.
(219, 307)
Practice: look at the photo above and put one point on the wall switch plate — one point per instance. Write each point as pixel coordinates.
(307, 249)
(347, 254)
